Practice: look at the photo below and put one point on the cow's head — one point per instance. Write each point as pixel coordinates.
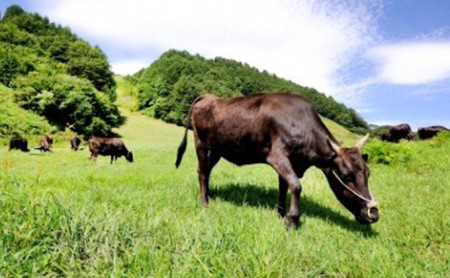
(129, 156)
(348, 178)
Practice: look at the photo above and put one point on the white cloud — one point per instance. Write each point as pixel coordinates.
(125, 67)
(309, 42)
(412, 63)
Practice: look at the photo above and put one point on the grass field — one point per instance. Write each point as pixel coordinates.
(63, 215)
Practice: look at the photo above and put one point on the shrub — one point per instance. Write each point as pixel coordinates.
(388, 153)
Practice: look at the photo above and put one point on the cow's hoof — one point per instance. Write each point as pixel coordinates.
(291, 222)
(281, 211)
(204, 202)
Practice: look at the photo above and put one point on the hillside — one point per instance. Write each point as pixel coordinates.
(169, 85)
(47, 70)
(128, 102)
(53, 73)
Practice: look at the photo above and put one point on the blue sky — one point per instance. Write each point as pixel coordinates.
(389, 60)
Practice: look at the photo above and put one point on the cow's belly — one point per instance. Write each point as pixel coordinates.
(242, 158)
(242, 154)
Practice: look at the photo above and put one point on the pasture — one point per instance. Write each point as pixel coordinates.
(63, 215)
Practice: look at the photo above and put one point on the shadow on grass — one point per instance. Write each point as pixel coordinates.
(255, 196)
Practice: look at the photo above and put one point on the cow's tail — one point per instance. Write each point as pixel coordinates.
(182, 147)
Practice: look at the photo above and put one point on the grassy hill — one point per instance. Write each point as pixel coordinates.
(63, 215)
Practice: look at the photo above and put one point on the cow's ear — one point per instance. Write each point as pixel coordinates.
(365, 157)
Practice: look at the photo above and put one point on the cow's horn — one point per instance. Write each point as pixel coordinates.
(336, 148)
(361, 142)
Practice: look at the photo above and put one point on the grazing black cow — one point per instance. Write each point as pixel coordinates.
(284, 131)
(18, 143)
(398, 132)
(108, 146)
(75, 143)
(45, 144)
(430, 131)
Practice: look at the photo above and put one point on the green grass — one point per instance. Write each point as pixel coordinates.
(63, 215)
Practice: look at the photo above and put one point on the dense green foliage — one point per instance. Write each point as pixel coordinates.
(78, 218)
(14, 119)
(400, 153)
(170, 84)
(55, 74)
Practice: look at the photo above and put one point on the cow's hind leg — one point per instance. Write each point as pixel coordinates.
(283, 167)
(206, 162)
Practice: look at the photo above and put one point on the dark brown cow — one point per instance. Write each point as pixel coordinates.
(284, 131)
(108, 146)
(398, 132)
(430, 131)
(75, 143)
(18, 143)
(45, 144)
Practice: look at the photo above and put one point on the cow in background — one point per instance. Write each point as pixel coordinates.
(398, 132)
(45, 144)
(75, 143)
(18, 143)
(108, 146)
(430, 131)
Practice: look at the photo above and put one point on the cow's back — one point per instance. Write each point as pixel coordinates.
(243, 129)
(430, 131)
(106, 146)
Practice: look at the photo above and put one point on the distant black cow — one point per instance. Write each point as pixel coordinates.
(75, 143)
(398, 132)
(45, 144)
(18, 143)
(108, 146)
(430, 131)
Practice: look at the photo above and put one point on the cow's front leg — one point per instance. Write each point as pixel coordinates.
(283, 187)
(283, 167)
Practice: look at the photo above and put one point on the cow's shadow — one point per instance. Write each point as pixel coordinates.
(255, 196)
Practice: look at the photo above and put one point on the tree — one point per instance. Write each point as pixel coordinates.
(56, 75)
(9, 67)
